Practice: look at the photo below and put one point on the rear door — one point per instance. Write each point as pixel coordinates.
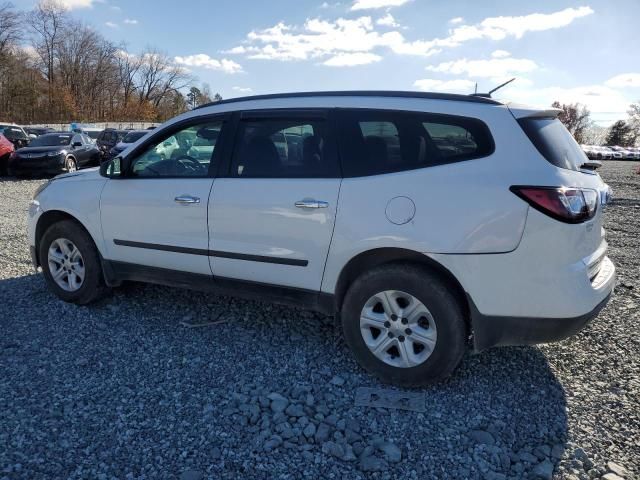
(271, 217)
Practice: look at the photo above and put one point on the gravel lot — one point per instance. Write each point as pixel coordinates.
(123, 389)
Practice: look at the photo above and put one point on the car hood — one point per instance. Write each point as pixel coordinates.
(58, 149)
(84, 174)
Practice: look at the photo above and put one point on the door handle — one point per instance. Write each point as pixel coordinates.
(186, 199)
(311, 204)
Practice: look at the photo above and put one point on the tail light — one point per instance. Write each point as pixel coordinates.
(569, 205)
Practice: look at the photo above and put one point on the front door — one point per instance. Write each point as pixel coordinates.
(157, 214)
(271, 218)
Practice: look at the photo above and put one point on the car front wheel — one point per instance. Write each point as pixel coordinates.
(71, 263)
(404, 325)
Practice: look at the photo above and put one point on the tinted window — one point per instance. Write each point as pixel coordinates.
(13, 133)
(133, 136)
(93, 134)
(185, 153)
(281, 148)
(375, 142)
(51, 140)
(554, 142)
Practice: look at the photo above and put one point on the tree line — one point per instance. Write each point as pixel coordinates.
(54, 68)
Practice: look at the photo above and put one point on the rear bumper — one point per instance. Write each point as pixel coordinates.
(503, 331)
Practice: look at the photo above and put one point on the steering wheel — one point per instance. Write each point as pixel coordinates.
(190, 163)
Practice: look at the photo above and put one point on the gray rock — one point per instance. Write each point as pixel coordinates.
(528, 457)
(611, 476)
(322, 433)
(617, 469)
(557, 451)
(274, 442)
(295, 410)
(334, 449)
(337, 381)
(309, 431)
(391, 452)
(372, 463)
(191, 475)
(544, 470)
(278, 405)
(481, 436)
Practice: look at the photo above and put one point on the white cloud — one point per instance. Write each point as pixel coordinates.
(73, 4)
(372, 4)
(130, 21)
(600, 99)
(242, 89)
(322, 38)
(432, 85)
(500, 54)
(111, 24)
(456, 20)
(116, 8)
(352, 59)
(387, 21)
(624, 80)
(497, 68)
(202, 60)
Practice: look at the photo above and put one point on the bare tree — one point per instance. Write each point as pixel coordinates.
(10, 29)
(158, 76)
(575, 117)
(46, 21)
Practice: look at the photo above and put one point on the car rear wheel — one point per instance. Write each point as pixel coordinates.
(71, 263)
(404, 325)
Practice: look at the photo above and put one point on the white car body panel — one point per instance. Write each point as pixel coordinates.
(145, 210)
(257, 216)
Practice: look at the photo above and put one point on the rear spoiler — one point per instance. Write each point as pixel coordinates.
(524, 111)
(589, 164)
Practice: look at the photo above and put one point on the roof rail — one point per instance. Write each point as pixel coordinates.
(360, 93)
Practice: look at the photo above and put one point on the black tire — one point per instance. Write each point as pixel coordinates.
(93, 287)
(435, 295)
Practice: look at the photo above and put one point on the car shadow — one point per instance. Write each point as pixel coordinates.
(503, 411)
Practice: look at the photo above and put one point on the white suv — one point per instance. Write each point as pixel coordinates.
(425, 222)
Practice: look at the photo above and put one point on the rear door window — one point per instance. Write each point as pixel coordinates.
(284, 148)
(554, 142)
(373, 142)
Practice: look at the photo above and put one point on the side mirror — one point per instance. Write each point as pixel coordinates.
(77, 144)
(113, 168)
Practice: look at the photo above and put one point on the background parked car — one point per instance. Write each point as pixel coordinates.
(37, 131)
(107, 139)
(131, 136)
(6, 149)
(92, 132)
(15, 134)
(54, 153)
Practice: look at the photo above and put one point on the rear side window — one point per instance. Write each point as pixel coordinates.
(284, 148)
(554, 142)
(376, 142)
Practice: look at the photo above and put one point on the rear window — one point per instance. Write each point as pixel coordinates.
(554, 142)
(374, 142)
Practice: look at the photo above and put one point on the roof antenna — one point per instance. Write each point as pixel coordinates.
(501, 85)
(488, 95)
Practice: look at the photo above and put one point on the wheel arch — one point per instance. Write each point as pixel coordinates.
(51, 217)
(381, 256)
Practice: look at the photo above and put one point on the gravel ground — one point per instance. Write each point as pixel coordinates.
(123, 389)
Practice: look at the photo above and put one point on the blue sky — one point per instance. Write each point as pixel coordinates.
(566, 50)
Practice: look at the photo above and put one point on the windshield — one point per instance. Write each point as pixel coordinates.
(93, 134)
(51, 140)
(554, 142)
(133, 136)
